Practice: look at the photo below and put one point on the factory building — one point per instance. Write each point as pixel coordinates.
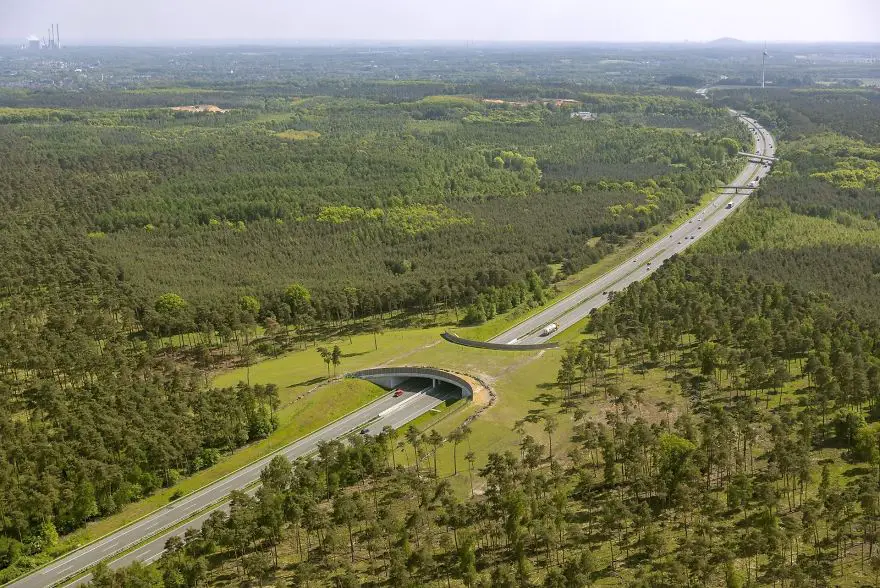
(51, 41)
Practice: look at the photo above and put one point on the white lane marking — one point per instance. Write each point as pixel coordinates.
(74, 557)
(400, 405)
(79, 581)
(416, 414)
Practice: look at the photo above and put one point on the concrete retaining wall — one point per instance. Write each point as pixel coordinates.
(387, 375)
(453, 338)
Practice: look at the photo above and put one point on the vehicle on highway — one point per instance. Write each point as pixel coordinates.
(549, 329)
(729, 205)
(512, 341)
(398, 393)
(752, 184)
(365, 431)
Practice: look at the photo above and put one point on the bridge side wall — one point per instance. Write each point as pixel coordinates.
(391, 377)
(453, 338)
(387, 381)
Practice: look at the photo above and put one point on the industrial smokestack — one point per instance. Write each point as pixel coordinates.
(57, 37)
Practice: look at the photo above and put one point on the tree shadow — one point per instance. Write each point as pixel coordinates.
(635, 559)
(311, 382)
(545, 399)
(857, 471)
(535, 415)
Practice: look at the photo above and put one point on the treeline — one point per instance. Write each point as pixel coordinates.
(91, 420)
(366, 267)
(813, 224)
(114, 177)
(849, 273)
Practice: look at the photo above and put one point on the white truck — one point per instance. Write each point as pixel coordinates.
(548, 329)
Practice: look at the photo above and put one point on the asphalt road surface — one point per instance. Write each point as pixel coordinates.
(395, 411)
(578, 305)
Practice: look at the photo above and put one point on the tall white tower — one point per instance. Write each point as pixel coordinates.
(763, 63)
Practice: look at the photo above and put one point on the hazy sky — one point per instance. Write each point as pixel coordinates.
(144, 21)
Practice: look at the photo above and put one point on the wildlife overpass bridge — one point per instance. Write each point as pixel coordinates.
(756, 156)
(391, 377)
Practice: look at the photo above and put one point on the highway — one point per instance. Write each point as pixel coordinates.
(576, 306)
(387, 410)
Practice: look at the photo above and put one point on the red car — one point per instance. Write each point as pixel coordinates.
(398, 393)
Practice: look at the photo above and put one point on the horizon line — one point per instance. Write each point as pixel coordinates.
(77, 42)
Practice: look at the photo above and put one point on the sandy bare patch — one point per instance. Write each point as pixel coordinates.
(199, 108)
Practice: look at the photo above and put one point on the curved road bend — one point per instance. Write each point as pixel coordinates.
(578, 305)
(386, 410)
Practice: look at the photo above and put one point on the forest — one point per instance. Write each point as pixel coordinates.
(140, 245)
(387, 200)
(815, 223)
(762, 468)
